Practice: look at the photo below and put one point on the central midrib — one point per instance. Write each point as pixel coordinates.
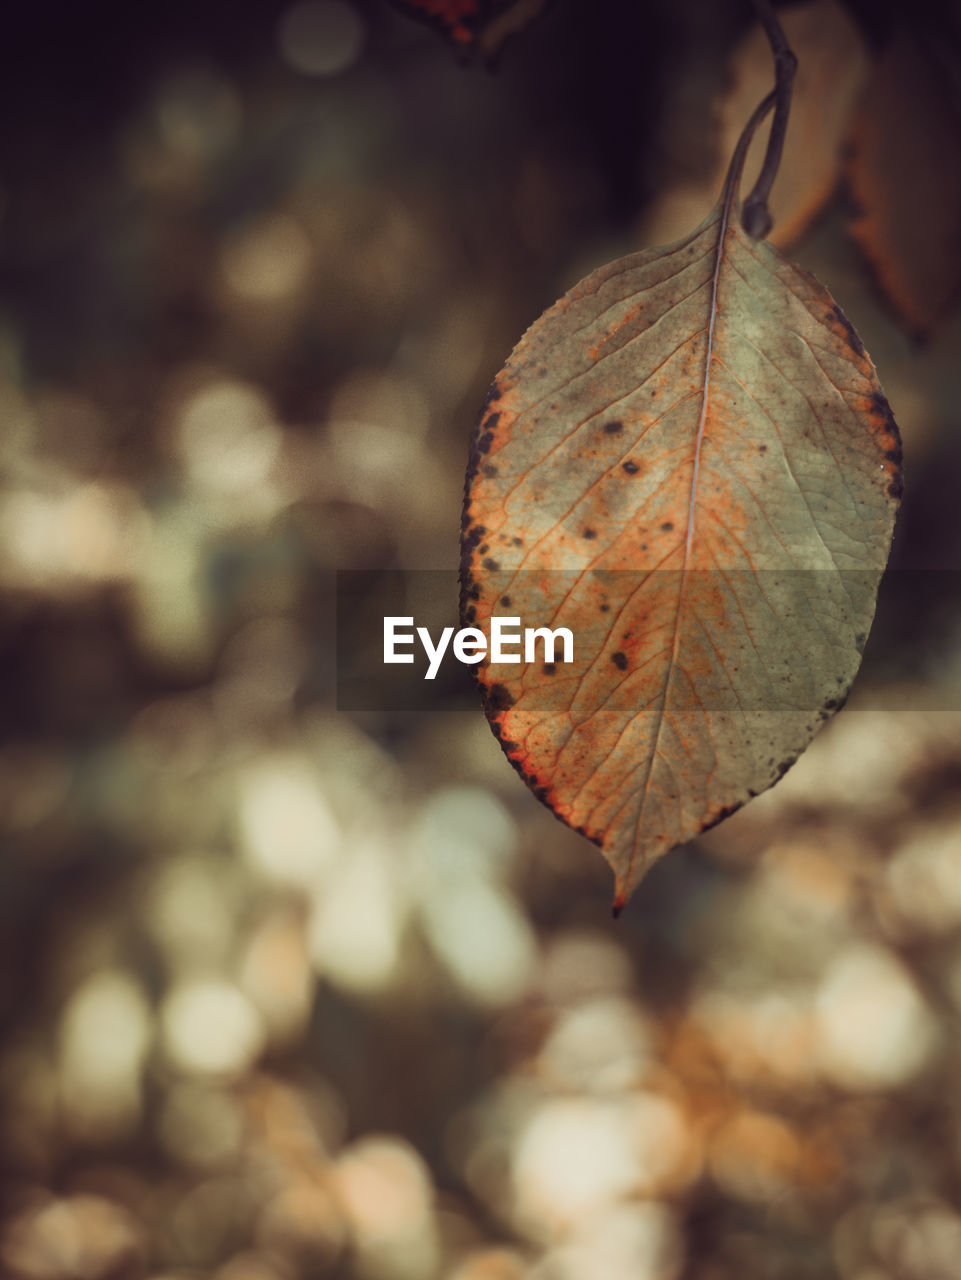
(723, 222)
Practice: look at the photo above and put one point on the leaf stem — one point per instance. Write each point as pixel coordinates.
(755, 216)
(733, 178)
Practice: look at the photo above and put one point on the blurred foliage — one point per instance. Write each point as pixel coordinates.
(289, 993)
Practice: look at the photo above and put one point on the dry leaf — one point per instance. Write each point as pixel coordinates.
(832, 69)
(905, 175)
(688, 462)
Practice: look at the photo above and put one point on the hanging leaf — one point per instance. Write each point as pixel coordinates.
(688, 462)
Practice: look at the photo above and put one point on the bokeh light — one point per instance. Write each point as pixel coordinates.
(321, 37)
(105, 1034)
(227, 437)
(210, 1029)
(268, 260)
(874, 1027)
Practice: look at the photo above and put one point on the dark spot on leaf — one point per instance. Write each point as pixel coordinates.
(468, 587)
(784, 766)
(721, 815)
(605, 608)
(549, 668)
(541, 793)
(762, 448)
(667, 526)
(485, 548)
(883, 410)
(499, 697)
(518, 542)
(620, 660)
(630, 467)
(493, 395)
(470, 613)
(879, 402)
(506, 601)
(487, 439)
(490, 470)
(613, 428)
(589, 533)
(490, 563)
(893, 454)
(853, 340)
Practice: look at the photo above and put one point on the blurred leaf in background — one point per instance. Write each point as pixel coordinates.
(904, 167)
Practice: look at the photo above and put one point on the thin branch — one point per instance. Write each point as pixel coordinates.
(756, 217)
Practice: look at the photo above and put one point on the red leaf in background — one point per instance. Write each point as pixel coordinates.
(473, 25)
(458, 19)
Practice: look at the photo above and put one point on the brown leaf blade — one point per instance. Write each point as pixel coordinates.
(689, 463)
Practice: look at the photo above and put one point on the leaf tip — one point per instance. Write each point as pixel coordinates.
(618, 906)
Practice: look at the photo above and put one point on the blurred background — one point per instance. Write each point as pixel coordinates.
(290, 992)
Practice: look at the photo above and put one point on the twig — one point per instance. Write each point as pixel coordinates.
(755, 216)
